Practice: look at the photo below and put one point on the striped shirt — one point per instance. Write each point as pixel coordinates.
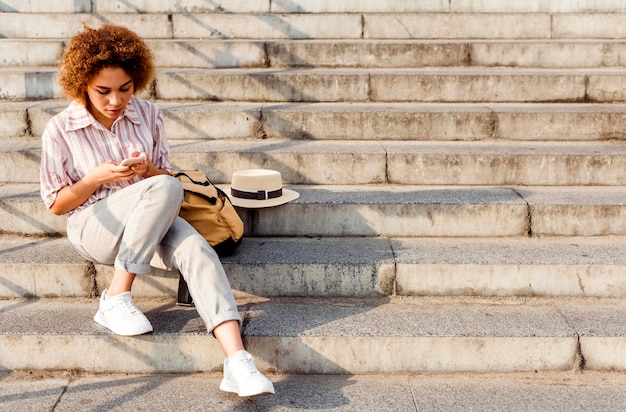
(74, 143)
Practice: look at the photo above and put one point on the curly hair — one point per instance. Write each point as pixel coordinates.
(95, 49)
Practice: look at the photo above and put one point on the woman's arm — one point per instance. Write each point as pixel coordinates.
(152, 170)
(72, 196)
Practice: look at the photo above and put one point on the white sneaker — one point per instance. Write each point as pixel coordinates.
(243, 378)
(119, 314)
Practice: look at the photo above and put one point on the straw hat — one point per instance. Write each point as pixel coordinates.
(256, 188)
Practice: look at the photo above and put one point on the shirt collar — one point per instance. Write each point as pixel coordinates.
(131, 111)
(79, 117)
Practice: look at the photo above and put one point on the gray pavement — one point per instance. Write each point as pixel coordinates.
(562, 391)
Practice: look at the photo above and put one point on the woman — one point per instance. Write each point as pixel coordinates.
(127, 215)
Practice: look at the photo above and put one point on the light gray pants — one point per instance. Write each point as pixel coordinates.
(138, 227)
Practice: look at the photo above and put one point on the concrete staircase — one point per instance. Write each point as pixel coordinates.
(461, 171)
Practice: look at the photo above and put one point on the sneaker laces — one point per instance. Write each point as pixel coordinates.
(245, 364)
(126, 305)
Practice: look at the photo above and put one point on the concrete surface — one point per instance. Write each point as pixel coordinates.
(452, 85)
(328, 336)
(186, 120)
(389, 211)
(350, 267)
(306, 6)
(24, 391)
(355, 53)
(344, 162)
(359, 121)
(563, 53)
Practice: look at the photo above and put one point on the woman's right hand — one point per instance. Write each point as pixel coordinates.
(108, 172)
(72, 196)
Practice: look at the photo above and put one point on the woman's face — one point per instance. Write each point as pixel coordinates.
(109, 92)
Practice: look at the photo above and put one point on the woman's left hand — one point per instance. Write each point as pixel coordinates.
(140, 169)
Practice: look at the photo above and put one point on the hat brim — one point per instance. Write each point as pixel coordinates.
(287, 196)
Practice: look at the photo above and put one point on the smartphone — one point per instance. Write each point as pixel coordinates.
(133, 160)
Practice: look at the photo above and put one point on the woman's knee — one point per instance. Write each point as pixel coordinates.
(170, 186)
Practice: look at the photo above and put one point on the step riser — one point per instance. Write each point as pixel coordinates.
(394, 165)
(189, 26)
(64, 26)
(444, 54)
(387, 122)
(112, 354)
(324, 26)
(466, 216)
(14, 121)
(334, 220)
(511, 280)
(402, 220)
(412, 163)
(214, 54)
(357, 122)
(481, 26)
(548, 55)
(376, 267)
(505, 170)
(375, 86)
(358, 54)
(49, 281)
(36, 85)
(322, 337)
(335, 86)
(386, 87)
(336, 280)
(310, 355)
(306, 6)
(435, 355)
(337, 355)
(307, 355)
(220, 54)
(30, 53)
(358, 280)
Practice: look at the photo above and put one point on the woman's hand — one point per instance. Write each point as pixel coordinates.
(112, 171)
(108, 172)
(70, 197)
(139, 169)
(146, 168)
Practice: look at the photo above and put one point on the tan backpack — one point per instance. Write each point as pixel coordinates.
(209, 210)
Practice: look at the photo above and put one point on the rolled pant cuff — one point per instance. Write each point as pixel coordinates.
(221, 318)
(133, 268)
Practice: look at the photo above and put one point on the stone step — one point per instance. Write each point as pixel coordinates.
(483, 163)
(325, 25)
(463, 85)
(199, 53)
(306, 6)
(347, 267)
(357, 121)
(455, 6)
(525, 391)
(441, 53)
(493, 26)
(393, 85)
(392, 211)
(327, 336)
